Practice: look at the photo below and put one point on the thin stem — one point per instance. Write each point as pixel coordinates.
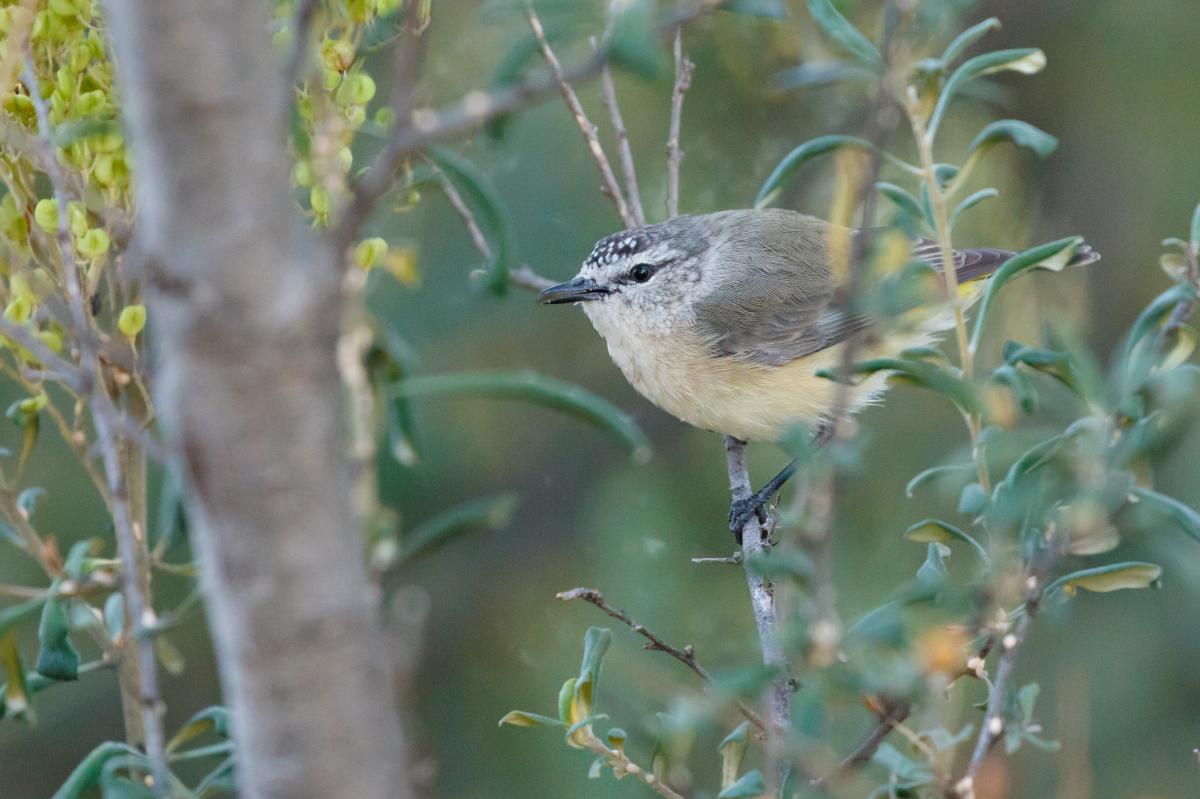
(622, 765)
(683, 81)
(609, 185)
(133, 581)
(624, 151)
(686, 656)
(941, 219)
(302, 20)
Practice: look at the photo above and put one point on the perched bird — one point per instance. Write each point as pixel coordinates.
(724, 320)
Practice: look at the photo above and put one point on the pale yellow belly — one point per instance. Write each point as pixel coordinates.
(750, 401)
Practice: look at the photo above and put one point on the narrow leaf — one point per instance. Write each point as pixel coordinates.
(767, 9)
(839, 30)
(1187, 518)
(1053, 256)
(750, 784)
(798, 157)
(930, 531)
(1026, 61)
(1022, 134)
(489, 208)
(970, 202)
(86, 775)
(489, 513)
(538, 389)
(967, 38)
(520, 718)
(57, 658)
(1114, 577)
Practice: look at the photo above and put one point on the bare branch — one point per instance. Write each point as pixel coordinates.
(891, 715)
(427, 125)
(683, 81)
(686, 656)
(609, 185)
(624, 151)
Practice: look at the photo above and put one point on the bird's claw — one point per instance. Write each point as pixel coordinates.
(742, 510)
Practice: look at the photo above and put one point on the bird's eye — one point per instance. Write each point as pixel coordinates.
(641, 272)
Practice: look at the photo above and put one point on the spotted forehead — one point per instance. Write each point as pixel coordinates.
(614, 248)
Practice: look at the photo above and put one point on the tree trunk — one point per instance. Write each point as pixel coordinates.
(244, 304)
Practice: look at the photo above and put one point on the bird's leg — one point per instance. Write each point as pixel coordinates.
(756, 503)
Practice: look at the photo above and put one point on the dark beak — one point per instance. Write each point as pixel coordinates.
(581, 289)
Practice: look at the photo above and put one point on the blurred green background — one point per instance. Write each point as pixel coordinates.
(1121, 684)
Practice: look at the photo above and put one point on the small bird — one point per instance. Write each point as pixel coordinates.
(724, 320)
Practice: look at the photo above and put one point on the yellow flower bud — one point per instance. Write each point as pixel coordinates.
(345, 159)
(302, 174)
(45, 213)
(131, 320)
(102, 169)
(19, 287)
(52, 340)
(318, 198)
(77, 216)
(369, 251)
(32, 405)
(337, 54)
(385, 116)
(356, 115)
(362, 89)
(92, 244)
(19, 310)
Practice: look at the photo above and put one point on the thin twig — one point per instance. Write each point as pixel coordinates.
(427, 125)
(103, 412)
(624, 151)
(892, 715)
(683, 81)
(609, 185)
(302, 20)
(523, 276)
(686, 656)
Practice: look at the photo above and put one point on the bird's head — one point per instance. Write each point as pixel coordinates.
(653, 271)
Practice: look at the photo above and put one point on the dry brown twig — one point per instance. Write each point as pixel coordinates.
(609, 185)
(686, 656)
(683, 81)
(624, 151)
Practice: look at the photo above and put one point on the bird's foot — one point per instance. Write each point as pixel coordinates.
(743, 509)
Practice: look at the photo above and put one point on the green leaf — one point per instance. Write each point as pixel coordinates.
(214, 719)
(903, 199)
(538, 389)
(733, 750)
(776, 562)
(970, 202)
(842, 33)
(767, 9)
(973, 500)
(520, 718)
(819, 73)
(967, 38)
(933, 473)
(923, 374)
(1187, 518)
(1053, 256)
(1025, 60)
(1113, 577)
(86, 775)
(930, 531)
(933, 571)
(16, 691)
(1140, 349)
(566, 695)
(489, 209)
(1195, 235)
(907, 772)
(488, 513)
(1019, 384)
(801, 155)
(750, 784)
(57, 658)
(595, 644)
(1022, 134)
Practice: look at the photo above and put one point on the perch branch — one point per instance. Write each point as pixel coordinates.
(686, 656)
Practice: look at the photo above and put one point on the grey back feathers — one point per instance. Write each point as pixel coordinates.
(780, 303)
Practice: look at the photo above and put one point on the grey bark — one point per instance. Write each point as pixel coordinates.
(245, 304)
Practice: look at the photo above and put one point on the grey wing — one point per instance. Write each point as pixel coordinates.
(778, 306)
